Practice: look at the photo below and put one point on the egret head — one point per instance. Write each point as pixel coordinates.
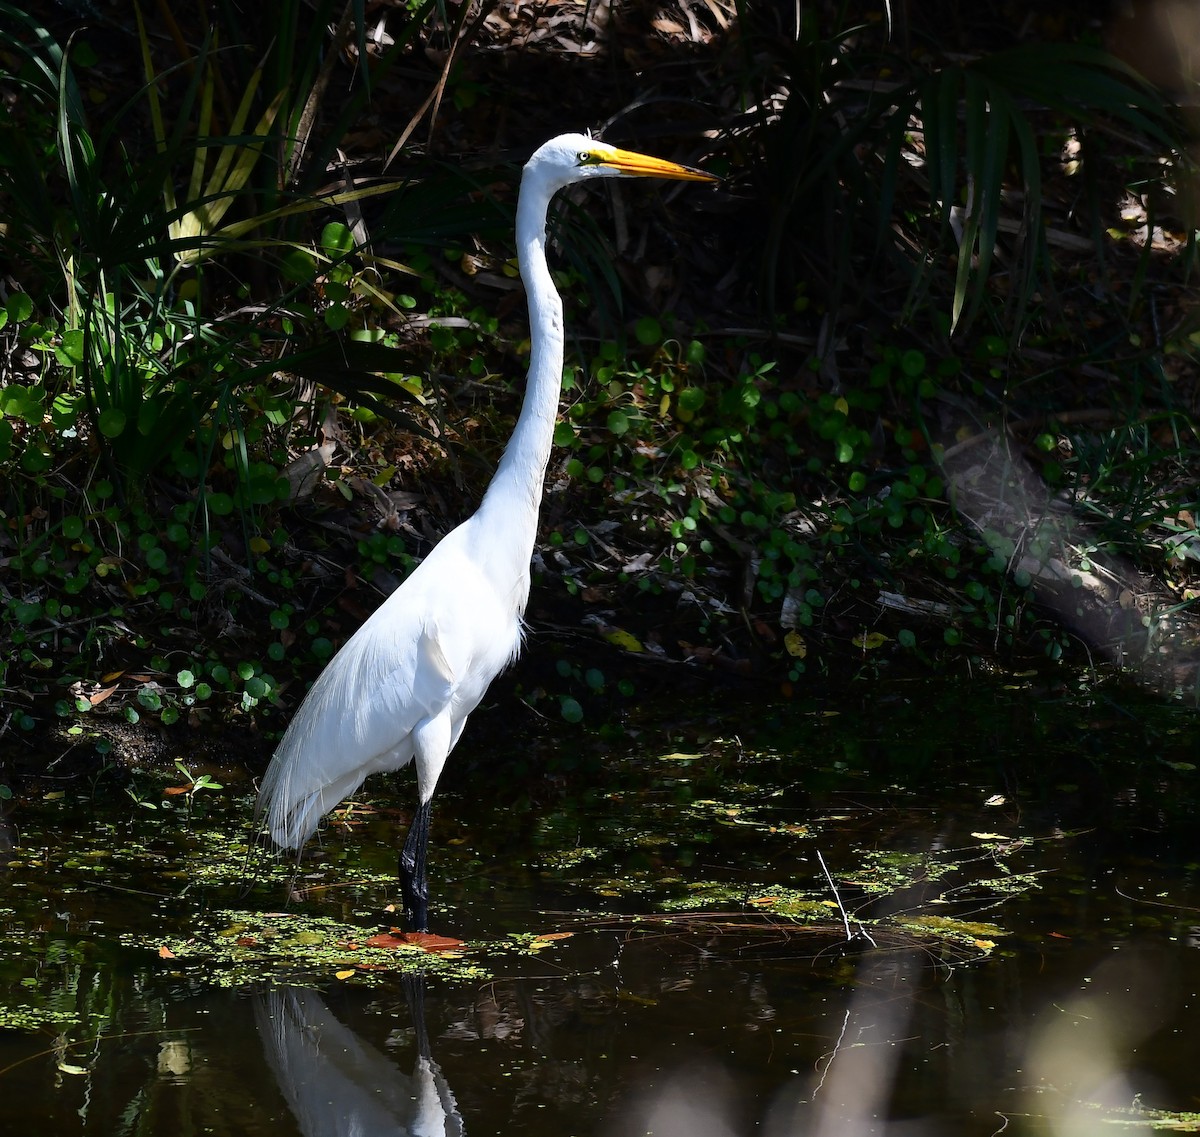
(573, 157)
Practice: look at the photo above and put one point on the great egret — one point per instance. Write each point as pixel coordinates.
(405, 682)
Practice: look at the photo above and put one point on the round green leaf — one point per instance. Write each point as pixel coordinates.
(112, 422)
(70, 348)
(571, 710)
(298, 266)
(19, 307)
(336, 239)
(648, 331)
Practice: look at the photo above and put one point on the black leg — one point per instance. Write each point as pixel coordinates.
(413, 984)
(414, 885)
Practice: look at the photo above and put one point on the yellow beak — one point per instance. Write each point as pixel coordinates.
(643, 166)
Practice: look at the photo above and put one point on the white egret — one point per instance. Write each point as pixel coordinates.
(403, 685)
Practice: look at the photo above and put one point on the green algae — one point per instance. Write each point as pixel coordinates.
(238, 948)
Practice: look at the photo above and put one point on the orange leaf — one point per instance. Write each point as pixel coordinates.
(426, 941)
(98, 697)
(173, 790)
(387, 940)
(165, 952)
(431, 942)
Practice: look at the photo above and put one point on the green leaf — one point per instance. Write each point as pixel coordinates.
(112, 422)
(648, 331)
(298, 266)
(19, 307)
(570, 708)
(336, 239)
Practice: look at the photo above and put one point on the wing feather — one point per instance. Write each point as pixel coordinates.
(432, 648)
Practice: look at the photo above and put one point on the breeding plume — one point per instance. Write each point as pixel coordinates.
(403, 685)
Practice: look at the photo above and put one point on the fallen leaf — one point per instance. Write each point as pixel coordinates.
(388, 941)
(344, 974)
(434, 943)
(619, 637)
(869, 641)
(545, 939)
(165, 952)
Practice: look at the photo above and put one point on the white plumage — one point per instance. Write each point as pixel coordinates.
(403, 685)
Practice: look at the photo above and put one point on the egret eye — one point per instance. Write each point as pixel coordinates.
(587, 158)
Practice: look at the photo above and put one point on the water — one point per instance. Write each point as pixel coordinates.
(684, 1001)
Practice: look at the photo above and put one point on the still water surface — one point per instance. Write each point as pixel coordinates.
(653, 1016)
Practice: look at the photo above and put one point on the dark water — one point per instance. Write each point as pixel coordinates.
(654, 1016)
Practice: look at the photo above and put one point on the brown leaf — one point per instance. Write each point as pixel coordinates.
(426, 941)
(387, 940)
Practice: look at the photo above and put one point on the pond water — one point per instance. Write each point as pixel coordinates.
(651, 944)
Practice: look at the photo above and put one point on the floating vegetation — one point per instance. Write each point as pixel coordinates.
(232, 948)
(969, 933)
(196, 899)
(787, 903)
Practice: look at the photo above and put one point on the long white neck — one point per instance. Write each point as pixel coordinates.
(514, 497)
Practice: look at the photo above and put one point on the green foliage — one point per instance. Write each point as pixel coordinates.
(144, 432)
(876, 165)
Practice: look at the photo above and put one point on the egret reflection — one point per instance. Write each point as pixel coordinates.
(337, 1085)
